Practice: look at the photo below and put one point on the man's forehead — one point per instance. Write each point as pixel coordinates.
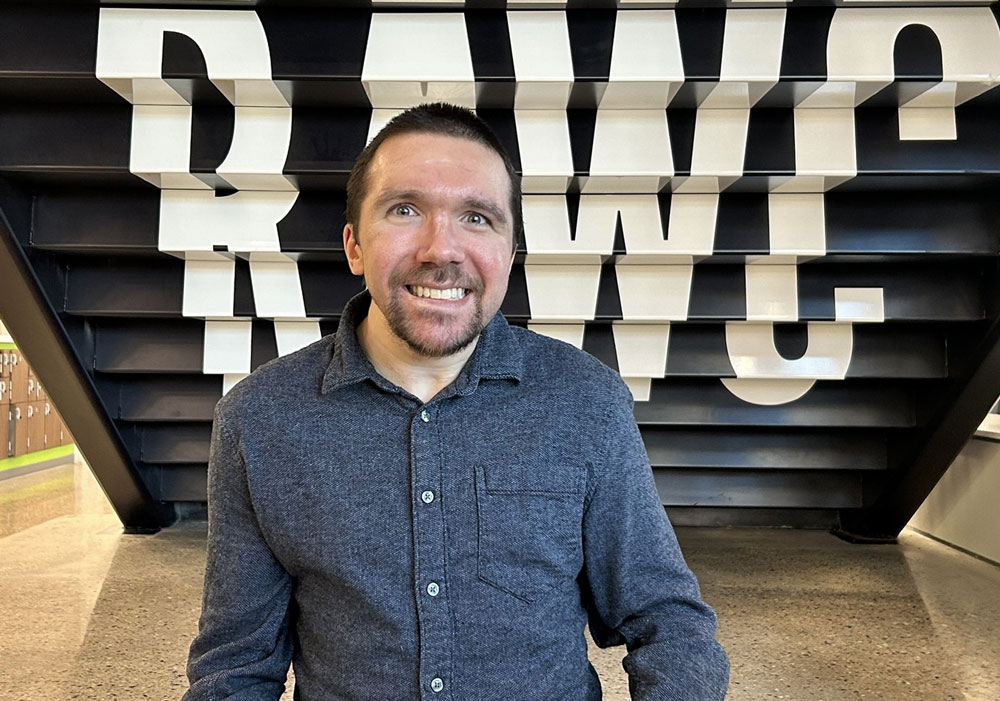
(404, 162)
(440, 143)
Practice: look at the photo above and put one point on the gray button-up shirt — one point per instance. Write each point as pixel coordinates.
(392, 549)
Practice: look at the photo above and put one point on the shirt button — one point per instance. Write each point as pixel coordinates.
(433, 589)
(427, 497)
(424, 416)
(437, 684)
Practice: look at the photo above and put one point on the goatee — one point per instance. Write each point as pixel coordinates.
(407, 328)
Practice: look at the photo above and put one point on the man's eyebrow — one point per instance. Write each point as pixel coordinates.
(493, 210)
(391, 195)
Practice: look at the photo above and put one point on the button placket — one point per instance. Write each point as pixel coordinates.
(433, 610)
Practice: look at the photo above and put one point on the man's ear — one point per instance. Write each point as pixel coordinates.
(353, 250)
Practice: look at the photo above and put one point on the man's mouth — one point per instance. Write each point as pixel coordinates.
(433, 293)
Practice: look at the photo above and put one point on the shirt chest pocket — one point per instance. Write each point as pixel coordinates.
(529, 527)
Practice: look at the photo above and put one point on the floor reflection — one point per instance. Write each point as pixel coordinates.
(61, 536)
(962, 598)
(29, 499)
(807, 616)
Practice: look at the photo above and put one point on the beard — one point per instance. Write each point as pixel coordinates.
(445, 338)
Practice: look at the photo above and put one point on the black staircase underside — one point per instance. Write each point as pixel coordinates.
(97, 306)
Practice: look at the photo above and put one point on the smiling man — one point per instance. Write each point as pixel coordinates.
(434, 212)
(430, 503)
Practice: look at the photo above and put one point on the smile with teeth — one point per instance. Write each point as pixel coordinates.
(432, 293)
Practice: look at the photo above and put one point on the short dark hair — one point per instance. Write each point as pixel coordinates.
(436, 118)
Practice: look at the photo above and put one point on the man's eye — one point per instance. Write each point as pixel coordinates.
(402, 210)
(477, 219)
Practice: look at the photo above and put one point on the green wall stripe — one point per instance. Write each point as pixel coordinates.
(37, 456)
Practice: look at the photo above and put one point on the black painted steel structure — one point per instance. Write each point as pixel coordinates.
(43, 337)
(97, 299)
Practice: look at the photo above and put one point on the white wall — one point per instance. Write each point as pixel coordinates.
(963, 507)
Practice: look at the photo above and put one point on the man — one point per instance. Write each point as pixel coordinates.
(430, 503)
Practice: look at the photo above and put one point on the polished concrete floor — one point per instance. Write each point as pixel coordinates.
(90, 613)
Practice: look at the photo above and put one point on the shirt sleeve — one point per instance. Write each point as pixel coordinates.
(244, 643)
(638, 589)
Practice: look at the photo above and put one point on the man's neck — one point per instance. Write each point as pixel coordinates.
(397, 362)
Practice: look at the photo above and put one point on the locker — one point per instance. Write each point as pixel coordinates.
(5, 447)
(36, 426)
(19, 379)
(50, 421)
(19, 423)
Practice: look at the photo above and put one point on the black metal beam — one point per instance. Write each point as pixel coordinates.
(36, 328)
(42, 138)
(125, 221)
(964, 402)
(933, 291)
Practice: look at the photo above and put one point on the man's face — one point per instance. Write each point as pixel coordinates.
(435, 233)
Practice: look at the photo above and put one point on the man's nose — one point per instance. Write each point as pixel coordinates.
(441, 241)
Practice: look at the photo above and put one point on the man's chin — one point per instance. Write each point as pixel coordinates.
(434, 333)
(439, 350)
(439, 342)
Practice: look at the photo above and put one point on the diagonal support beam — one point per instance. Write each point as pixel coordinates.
(967, 398)
(41, 336)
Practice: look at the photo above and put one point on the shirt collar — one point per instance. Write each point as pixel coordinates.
(497, 355)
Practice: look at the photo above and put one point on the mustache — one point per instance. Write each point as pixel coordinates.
(450, 275)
